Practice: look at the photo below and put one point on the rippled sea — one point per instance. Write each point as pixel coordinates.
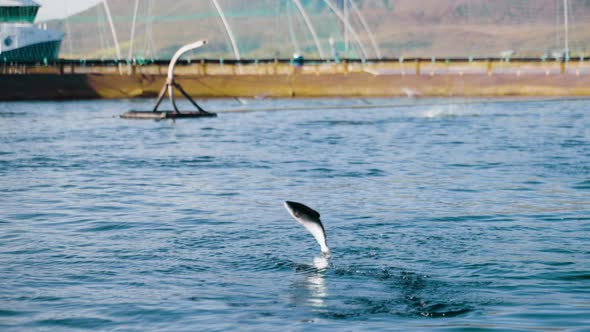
(441, 215)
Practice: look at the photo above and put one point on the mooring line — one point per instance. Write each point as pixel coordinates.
(377, 106)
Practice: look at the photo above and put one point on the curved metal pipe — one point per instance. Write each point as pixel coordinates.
(132, 38)
(179, 53)
(170, 84)
(366, 27)
(348, 27)
(227, 29)
(113, 30)
(314, 35)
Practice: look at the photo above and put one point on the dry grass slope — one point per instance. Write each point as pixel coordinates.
(409, 28)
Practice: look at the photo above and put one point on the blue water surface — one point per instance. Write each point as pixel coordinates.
(441, 215)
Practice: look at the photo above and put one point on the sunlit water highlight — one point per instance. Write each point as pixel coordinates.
(440, 214)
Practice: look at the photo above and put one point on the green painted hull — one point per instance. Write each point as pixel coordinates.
(47, 51)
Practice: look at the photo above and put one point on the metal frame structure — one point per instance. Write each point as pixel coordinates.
(228, 30)
(113, 30)
(310, 27)
(132, 37)
(171, 84)
(349, 28)
(366, 27)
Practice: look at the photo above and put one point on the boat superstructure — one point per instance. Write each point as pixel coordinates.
(20, 39)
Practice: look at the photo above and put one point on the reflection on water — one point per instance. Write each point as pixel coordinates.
(310, 287)
(321, 263)
(316, 283)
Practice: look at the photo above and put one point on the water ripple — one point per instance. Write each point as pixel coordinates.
(441, 215)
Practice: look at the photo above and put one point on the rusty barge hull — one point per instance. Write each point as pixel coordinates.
(70, 81)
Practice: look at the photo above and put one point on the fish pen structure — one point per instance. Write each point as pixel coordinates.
(329, 30)
(293, 48)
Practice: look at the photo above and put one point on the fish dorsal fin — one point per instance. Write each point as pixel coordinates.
(316, 213)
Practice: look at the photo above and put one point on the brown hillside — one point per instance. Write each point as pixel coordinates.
(271, 28)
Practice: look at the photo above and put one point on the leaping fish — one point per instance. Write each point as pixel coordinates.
(310, 219)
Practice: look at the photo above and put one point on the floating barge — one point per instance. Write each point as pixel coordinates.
(162, 115)
(76, 79)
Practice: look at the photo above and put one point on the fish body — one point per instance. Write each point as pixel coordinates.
(310, 219)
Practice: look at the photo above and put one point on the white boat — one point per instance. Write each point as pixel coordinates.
(20, 40)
